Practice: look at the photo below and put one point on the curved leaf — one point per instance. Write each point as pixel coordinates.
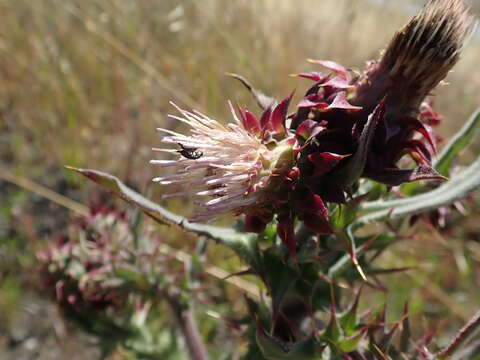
(244, 245)
(275, 349)
(457, 188)
(456, 144)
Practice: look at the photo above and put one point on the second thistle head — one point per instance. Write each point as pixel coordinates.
(417, 59)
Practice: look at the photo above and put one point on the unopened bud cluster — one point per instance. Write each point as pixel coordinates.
(96, 266)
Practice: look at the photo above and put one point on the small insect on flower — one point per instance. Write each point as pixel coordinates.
(229, 164)
(190, 153)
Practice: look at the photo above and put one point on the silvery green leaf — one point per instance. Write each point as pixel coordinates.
(244, 245)
(457, 144)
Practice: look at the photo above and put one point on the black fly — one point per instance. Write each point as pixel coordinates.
(190, 153)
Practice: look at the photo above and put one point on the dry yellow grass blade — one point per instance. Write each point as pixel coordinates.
(149, 69)
(38, 189)
(441, 296)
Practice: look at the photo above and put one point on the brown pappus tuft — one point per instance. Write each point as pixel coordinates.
(418, 57)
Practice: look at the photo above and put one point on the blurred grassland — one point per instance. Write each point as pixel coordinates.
(85, 83)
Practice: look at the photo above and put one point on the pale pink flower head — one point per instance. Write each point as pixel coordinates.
(231, 168)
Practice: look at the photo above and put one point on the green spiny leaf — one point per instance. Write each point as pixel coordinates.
(455, 189)
(279, 276)
(351, 343)
(348, 320)
(345, 214)
(332, 332)
(275, 349)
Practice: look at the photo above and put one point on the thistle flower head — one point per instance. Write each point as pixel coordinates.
(419, 56)
(83, 267)
(79, 266)
(232, 165)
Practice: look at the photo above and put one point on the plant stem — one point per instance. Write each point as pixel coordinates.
(188, 326)
(462, 336)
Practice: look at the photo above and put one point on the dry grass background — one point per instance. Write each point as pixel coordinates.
(85, 83)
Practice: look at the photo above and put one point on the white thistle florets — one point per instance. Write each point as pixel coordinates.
(227, 164)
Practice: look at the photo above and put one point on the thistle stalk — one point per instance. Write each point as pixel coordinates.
(188, 326)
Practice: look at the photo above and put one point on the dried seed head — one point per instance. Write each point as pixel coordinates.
(425, 50)
(418, 57)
